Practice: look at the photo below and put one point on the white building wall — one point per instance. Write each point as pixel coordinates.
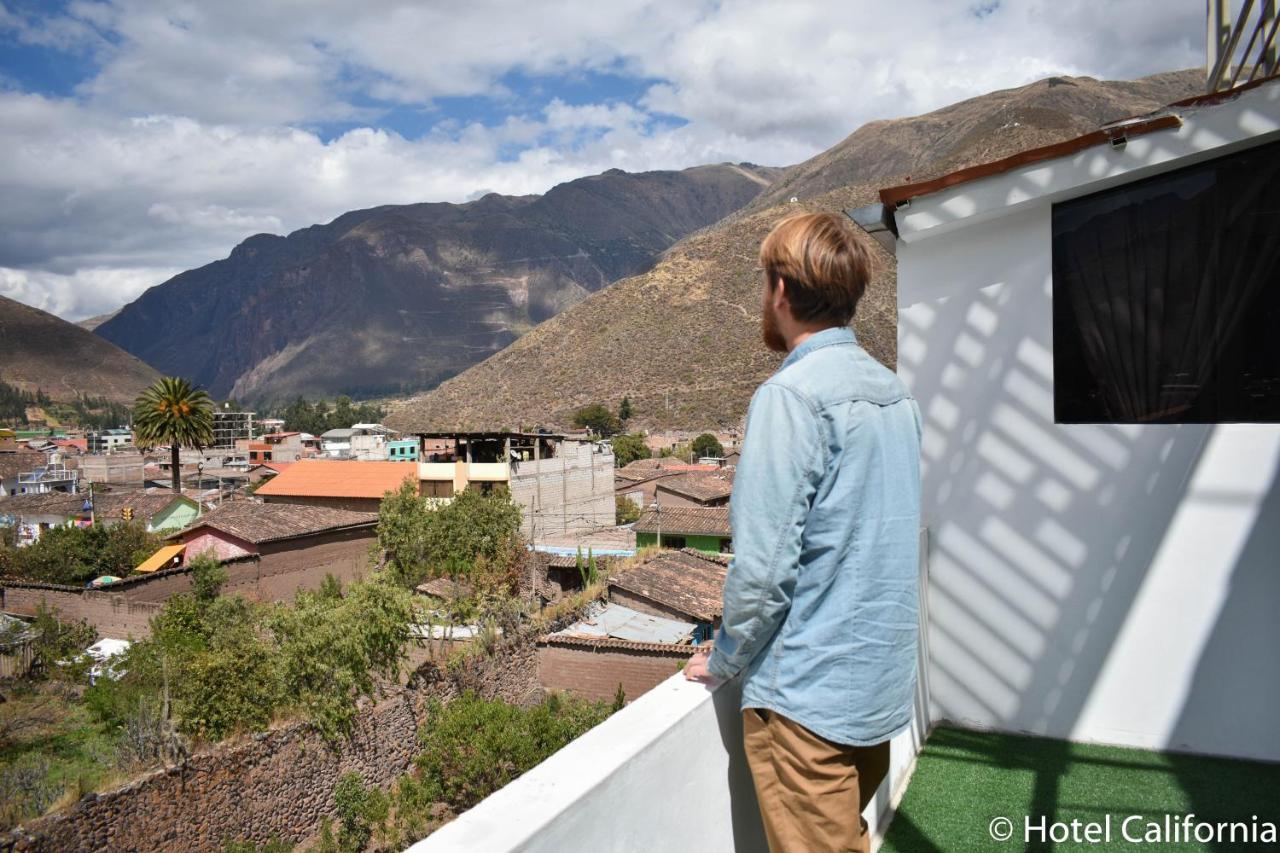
(1102, 583)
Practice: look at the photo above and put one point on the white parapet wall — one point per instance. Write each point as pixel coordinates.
(665, 773)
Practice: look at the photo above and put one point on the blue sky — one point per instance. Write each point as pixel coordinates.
(144, 137)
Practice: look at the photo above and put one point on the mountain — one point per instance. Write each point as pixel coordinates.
(39, 351)
(683, 339)
(397, 298)
(91, 323)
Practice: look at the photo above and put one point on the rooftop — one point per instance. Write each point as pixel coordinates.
(339, 479)
(700, 486)
(105, 504)
(688, 520)
(613, 621)
(687, 581)
(259, 523)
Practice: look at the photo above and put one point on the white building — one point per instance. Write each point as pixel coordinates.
(1090, 332)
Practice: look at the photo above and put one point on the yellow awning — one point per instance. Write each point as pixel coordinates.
(161, 558)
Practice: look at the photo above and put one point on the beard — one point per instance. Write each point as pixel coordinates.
(769, 330)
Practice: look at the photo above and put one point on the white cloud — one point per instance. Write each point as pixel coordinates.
(195, 132)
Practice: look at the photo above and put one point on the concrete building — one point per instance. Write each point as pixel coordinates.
(369, 442)
(562, 484)
(119, 468)
(336, 443)
(704, 529)
(230, 427)
(402, 450)
(273, 447)
(108, 440)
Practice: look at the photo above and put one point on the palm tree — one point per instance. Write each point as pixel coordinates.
(172, 412)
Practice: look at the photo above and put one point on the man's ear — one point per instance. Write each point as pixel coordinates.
(778, 296)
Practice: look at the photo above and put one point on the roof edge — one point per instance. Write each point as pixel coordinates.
(893, 197)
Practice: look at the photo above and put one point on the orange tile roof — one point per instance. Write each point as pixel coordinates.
(339, 479)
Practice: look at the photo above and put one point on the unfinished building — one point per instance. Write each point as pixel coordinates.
(562, 484)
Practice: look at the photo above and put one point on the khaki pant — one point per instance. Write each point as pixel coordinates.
(811, 791)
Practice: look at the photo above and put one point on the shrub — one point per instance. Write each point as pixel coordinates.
(207, 576)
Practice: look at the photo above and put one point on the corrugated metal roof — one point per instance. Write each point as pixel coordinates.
(623, 623)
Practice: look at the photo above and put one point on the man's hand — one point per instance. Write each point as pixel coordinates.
(696, 669)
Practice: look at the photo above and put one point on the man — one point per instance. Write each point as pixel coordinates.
(820, 601)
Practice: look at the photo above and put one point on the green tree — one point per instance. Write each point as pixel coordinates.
(57, 641)
(74, 555)
(625, 510)
(403, 519)
(598, 419)
(707, 445)
(629, 447)
(420, 541)
(174, 413)
(624, 410)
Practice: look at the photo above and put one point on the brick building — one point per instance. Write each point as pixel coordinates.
(614, 645)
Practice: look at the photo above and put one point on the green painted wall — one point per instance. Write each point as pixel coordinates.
(175, 516)
(708, 544)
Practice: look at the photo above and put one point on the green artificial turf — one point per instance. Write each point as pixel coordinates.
(965, 779)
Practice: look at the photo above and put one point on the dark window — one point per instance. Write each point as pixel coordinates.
(672, 541)
(726, 546)
(1166, 297)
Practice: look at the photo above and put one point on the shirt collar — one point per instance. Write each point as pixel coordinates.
(818, 340)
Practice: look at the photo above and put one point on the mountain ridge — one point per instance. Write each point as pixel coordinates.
(396, 298)
(682, 340)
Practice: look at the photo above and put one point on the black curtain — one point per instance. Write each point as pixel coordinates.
(1167, 296)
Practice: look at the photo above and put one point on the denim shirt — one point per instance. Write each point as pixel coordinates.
(821, 598)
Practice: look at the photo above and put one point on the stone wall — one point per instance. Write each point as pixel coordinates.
(279, 783)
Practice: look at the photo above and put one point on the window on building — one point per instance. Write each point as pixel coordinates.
(436, 488)
(672, 541)
(726, 546)
(1166, 298)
